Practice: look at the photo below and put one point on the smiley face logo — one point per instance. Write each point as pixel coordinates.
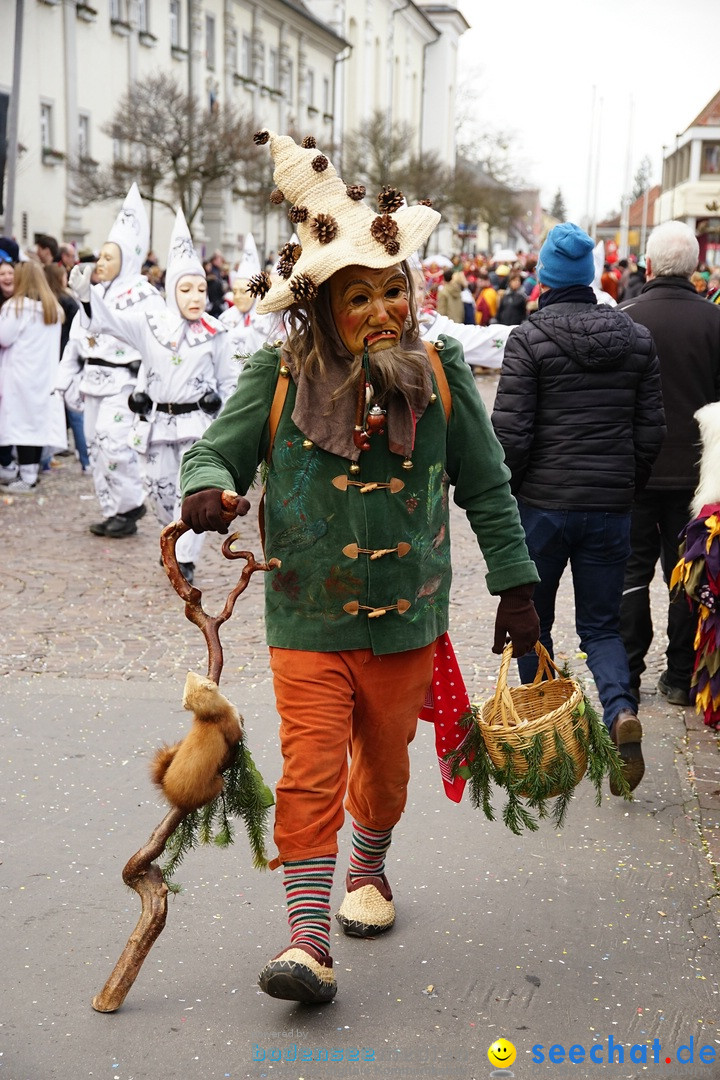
(502, 1053)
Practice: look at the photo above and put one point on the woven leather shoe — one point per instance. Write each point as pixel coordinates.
(299, 973)
(674, 694)
(368, 907)
(626, 733)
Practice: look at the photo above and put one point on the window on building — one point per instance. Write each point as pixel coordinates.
(246, 69)
(83, 136)
(143, 16)
(115, 10)
(210, 41)
(310, 83)
(273, 70)
(710, 162)
(175, 24)
(326, 96)
(46, 126)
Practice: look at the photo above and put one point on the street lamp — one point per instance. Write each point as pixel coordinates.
(675, 173)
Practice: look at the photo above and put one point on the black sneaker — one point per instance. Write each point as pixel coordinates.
(120, 525)
(675, 694)
(187, 569)
(98, 527)
(136, 513)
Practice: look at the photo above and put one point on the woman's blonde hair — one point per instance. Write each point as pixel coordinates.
(56, 277)
(31, 283)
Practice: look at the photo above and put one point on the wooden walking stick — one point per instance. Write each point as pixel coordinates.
(141, 872)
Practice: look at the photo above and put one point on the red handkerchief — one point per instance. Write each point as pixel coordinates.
(446, 702)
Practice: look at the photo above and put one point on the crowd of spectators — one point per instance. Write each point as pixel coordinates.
(477, 290)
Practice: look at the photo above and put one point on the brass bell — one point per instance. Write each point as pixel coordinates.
(354, 468)
(407, 463)
(307, 444)
(433, 399)
(284, 371)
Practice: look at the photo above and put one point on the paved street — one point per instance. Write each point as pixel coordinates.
(603, 933)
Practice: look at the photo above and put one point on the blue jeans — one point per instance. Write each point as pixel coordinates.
(74, 420)
(597, 546)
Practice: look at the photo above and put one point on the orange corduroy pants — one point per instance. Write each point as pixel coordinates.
(336, 706)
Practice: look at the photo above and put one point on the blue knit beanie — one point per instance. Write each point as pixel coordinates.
(566, 257)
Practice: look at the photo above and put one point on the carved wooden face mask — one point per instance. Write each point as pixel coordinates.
(369, 307)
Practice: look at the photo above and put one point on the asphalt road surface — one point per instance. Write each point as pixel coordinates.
(593, 950)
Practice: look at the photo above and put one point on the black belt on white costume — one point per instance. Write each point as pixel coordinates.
(176, 410)
(95, 361)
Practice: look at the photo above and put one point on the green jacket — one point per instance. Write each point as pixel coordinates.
(317, 515)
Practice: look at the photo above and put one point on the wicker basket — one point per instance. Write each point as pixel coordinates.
(516, 714)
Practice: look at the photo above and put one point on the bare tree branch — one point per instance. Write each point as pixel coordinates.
(172, 145)
(377, 153)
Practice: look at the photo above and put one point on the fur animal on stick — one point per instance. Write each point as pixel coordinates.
(190, 773)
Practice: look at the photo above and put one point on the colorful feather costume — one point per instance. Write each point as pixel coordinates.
(697, 573)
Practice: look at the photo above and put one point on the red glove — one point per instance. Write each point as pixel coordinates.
(204, 511)
(517, 620)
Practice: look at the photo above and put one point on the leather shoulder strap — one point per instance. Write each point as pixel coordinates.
(276, 408)
(440, 377)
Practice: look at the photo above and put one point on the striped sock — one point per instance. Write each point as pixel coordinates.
(367, 855)
(307, 889)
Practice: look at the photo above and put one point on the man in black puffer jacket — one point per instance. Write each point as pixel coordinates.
(580, 416)
(686, 331)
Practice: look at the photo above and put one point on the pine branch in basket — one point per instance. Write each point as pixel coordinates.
(603, 758)
(478, 770)
(534, 790)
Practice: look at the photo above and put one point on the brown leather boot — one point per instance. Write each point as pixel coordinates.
(626, 733)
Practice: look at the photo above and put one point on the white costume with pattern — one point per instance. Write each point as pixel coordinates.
(98, 371)
(182, 361)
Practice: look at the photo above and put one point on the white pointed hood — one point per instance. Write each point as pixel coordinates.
(182, 259)
(249, 263)
(131, 233)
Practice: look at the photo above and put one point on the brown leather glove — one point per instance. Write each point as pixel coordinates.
(204, 511)
(517, 620)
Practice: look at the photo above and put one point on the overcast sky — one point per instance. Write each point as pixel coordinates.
(532, 65)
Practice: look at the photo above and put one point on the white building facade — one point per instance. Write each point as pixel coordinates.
(316, 67)
(691, 181)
